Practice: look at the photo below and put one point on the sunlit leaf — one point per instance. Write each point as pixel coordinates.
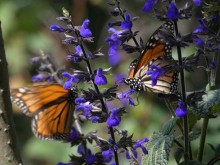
(178, 154)
(168, 126)
(203, 106)
(159, 149)
(192, 119)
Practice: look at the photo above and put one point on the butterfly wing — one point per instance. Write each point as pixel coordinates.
(132, 68)
(52, 108)
(155, 48)
(166, 84)
(159, 54)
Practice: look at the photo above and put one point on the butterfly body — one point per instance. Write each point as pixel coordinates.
(51, 106)
(158, 54)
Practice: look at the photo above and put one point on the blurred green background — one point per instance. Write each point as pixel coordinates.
(25, 25)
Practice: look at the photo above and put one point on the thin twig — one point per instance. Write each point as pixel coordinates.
(183, 92)
(104, 108)
(202, 139)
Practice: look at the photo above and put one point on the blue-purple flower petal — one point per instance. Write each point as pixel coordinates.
(84, 30)
(181, 110)
(127, 23)
(148, 5)
(173, 12)
(100, 79)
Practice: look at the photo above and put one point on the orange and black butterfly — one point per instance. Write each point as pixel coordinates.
(156, 53)
(51, 106)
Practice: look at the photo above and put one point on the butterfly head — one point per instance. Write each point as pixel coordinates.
(74, 92)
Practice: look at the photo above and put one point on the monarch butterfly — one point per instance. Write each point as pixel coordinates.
(159, 54)
(51, 106)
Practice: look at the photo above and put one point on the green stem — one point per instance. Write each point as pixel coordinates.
(104, 108)
(202, 139)
(122, 15)
(183, 92)
(172, 111)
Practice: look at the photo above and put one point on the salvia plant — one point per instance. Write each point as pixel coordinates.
(154, 70)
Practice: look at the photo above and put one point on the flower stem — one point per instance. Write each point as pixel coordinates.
(172, 111)
(202, 139)
(122, 15)
(104, 108)
(183, 92)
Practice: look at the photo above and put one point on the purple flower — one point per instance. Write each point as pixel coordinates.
(181, 110)
(214, 18)
(114, 42)
(127, 23)
(139, 144)
(81, 149)
(212, 65)
(113, 119)
(107, 155)
(86, 107)
(76, 56)
(100, 79)
(70, 79)
(84, 30)
(198, 41)
(197, 2)
(155, 73)
(57, 28)
(40, 77)
(172, 11)
(202, 28)
(95, 119)
(67, 85)
(126, 96)
(74, 135)
(90, 158)
(78, 50)
(115, 58)
(148, 5)
(80, 100)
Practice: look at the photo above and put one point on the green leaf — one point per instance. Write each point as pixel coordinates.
(192, 119)
(178, 154)
(168, 126)
(211, 146)
(209, 99)
(215, 149)
(216, 157)
(194, 135)
(215, 109)
(158, 147)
